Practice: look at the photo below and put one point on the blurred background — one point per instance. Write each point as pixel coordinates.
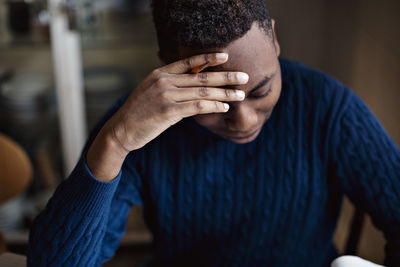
(63, 63)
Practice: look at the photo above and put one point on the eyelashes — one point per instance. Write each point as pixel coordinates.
(261, 96)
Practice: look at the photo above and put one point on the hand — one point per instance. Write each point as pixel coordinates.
(165, 97)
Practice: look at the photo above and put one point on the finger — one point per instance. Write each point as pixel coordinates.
(188, 64)
(206, 93)
(210, 79)
(191, 108)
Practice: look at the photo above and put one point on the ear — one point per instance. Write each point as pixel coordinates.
(276, 43)
(160, 58)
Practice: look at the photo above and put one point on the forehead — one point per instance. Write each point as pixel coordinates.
(253, 53)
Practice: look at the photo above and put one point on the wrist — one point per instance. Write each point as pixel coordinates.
(105, 156)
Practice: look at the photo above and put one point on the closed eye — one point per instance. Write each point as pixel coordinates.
(262, 95)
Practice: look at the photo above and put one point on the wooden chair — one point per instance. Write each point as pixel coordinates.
(3, 247)
(15, 173)
(356, 227)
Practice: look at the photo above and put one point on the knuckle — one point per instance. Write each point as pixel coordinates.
(200, 105)
(203, 77)
(228, 93)
(164, 94)
(229, 77)
(156, 72)
(218, 106)
(188, 62)
(203, 92)
(162, 81)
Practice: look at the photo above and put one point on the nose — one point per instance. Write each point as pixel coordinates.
(241, 118)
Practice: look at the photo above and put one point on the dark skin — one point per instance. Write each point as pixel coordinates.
(256, 54)
(233, 99)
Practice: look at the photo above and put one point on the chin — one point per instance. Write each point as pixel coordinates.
(242, 140)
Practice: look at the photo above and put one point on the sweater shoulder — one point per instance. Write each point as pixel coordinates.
(313, 90)
(310, 80)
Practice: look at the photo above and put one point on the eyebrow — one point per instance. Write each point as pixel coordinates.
(260, 84)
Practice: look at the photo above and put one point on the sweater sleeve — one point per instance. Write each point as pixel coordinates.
(69, 232)
(127, 194)
(368, 166)
(85, 218)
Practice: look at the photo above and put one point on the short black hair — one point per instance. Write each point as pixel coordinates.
(203, 24)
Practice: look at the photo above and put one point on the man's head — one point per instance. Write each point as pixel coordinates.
(244, 30)
(201, 24)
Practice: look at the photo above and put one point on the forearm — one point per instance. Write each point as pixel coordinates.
(71, 228)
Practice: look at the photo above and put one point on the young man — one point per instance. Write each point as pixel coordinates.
(242, 164)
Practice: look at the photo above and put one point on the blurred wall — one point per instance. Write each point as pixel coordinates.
(358, 42)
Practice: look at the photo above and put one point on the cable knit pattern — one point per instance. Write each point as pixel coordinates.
(368, 166)
(210, 202)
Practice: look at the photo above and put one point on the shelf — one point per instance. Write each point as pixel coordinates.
(24, 47)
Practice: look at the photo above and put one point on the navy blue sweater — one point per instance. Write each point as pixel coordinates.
(210, 202)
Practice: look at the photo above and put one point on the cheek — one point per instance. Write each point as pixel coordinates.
(273, 98)
(209, 120)
(265, 107)
(267, 104)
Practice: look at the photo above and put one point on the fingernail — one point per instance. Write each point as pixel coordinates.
(240, 94)
(242, 77)
(226, 106)
(222, 56)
